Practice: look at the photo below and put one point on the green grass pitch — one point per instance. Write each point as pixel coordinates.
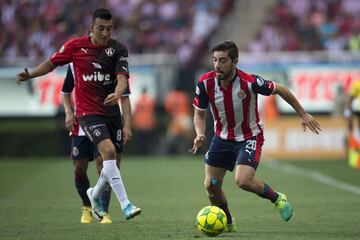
(38, 201)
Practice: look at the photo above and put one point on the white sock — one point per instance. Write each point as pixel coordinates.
(100, 186)
(113, 177)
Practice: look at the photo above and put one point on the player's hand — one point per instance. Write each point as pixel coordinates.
(70, 121)
(198, 142)
(23, 76)
(111, 100)
(310, 122)
(127, 134)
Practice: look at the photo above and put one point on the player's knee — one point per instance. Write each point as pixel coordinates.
(212, 186)
(108, 151)
(79, 171)
(243, 183)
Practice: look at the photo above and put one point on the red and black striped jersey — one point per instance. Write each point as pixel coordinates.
(94, 69)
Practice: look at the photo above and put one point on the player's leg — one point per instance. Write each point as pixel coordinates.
(80, 158)
(96, 130)
(247, 155)
(107, 151)
(112, 175)
(217, 162)
(105, 196)
(214, 178)
(129, 210)
(104, 132)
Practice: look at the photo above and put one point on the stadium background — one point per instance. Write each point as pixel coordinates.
(312, 46)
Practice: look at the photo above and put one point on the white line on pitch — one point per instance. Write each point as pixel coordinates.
(317, 176)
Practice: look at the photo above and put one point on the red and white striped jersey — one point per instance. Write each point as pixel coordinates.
(234, 109)
(67, 88)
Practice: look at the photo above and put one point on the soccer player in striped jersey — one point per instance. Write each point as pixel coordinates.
(238, 129)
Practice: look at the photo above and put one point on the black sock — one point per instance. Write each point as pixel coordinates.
(105, 199)
(225, 208)
(82, 184)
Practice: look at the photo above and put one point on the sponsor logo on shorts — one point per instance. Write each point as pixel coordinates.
(96, 126)
(97, 132)
(75, 151)
(207, 155)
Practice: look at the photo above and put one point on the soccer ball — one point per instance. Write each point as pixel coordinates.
(211, 221)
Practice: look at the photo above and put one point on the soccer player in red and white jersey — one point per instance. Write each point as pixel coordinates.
(101, 78)
(238, 130)
(82, 152)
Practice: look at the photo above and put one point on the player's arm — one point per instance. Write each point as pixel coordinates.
(66, 90)
(200, 127)
(121, 87)
(126, 111)
(42, 69)
(70, 118)
(307, 119)
(200, 103)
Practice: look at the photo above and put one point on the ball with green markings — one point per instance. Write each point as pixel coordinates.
(211, 221)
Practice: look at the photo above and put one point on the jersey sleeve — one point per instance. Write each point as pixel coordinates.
(201, 99)
(64, 55)
(262, 86)
(122, 65)
(68, 84)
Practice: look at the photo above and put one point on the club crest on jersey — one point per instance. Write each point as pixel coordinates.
(260, 81)
(109, 51)
(241, 94)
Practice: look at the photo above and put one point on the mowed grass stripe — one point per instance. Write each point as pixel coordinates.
(315, 175)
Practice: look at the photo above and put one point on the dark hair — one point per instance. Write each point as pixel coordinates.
(228, 46)
(101, 13)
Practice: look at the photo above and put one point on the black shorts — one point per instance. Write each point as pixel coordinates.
(226, 154)
(98, 128)
(83, 148)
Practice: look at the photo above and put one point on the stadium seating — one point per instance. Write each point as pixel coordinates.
(307, 25)
(35, 29)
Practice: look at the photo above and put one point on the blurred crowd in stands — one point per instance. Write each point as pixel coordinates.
(306, 25)
(37, 28)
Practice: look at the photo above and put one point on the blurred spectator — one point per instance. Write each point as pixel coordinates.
(144, 122)
(35, 28)
(340, 101)
(353, 108)
(354, 42)
(307, 25)
(180, 127)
